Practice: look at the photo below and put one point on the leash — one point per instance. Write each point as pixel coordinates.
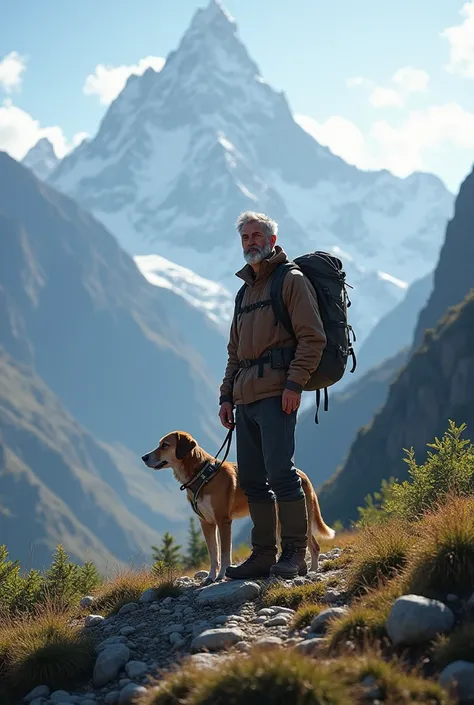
(215, 468)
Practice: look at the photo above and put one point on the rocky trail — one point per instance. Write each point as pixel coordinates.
(144, 639)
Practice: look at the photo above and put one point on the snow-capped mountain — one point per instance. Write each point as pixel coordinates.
(180, 153)
(207, 296)
(41, 159)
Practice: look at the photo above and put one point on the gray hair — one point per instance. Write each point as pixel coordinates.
(269, 226)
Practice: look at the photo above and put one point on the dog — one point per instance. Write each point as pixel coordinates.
(221, 500)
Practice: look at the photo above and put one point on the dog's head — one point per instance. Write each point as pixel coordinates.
(171, 450)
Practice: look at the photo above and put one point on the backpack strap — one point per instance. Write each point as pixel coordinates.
(276, 295)
(239, 297)
(318, 402)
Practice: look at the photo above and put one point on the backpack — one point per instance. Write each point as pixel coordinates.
(325, 272)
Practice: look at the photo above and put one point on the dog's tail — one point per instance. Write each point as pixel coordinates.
(322, 529)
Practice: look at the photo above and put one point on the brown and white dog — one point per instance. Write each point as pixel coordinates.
(222, 499)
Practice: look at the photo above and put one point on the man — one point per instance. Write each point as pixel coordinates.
(266, 397)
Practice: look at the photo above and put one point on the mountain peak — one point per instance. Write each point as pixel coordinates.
(41, 158)
(214, 14)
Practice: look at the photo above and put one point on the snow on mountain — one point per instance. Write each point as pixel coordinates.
(41, 159)
(181, 152)
(206, 295)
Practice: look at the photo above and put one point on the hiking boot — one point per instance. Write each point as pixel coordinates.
(294, 540)
(264, 549)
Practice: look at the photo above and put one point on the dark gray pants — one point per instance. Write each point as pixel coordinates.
(265, 437)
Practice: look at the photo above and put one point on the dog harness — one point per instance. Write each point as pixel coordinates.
(205, 475)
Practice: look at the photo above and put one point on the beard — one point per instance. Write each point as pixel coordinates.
(256, 254)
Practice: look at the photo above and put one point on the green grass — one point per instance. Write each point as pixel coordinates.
(127, 587)
(305, 615)
(294, 597)
(442, 560)
(380, 553)
(287, 678)
(45, 650)
(457, 646)
(363, 626)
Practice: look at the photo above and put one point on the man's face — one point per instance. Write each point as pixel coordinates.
(255, 244)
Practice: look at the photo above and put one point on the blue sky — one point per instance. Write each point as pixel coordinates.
(381, 83)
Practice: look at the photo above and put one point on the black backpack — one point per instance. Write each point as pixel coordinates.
(328, 278)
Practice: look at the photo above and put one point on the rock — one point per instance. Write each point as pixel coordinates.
(451, 597)
(215, 639)
(269, 642)
(112, 698)
(372, 690)
(320, 622)
(176, 639)
(229, 592)
(88, 701)
(280, 620)
(203, 660)
(458, 677)
(124, 681)
(148, 596)
(39, 701)
(108, 664)
(135, 669)
(86, 601)
(331, 596)
(242, 646)
(60, 696)
(299, 581)
(129, 607)
(174, 628)
(131, 693)
(282, 610)
(110, 640)
(201, 575)
(259, 620)
(127, 631)
(92, 620)
(266, 612)
(41, 691)
(309, 646)
(414, 619)
(189, 612)
(167, 601)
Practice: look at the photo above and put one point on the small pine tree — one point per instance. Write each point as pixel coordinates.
(375, 509)
(168, 554)
(29, 593)
(61, 578)
(88, 578)
(10, 579)
(197, 548)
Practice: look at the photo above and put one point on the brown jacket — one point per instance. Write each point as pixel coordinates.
(255, 332)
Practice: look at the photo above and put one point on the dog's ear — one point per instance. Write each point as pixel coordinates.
(184, 445)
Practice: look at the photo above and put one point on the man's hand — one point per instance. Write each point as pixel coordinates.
(226, 414)
(290, 400)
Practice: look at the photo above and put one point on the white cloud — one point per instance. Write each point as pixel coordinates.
(411, 80)
(342, 137)
(461, 40)
(407, 80)
(12, 67)
(108, 81)
(19, 131)
(401, 148)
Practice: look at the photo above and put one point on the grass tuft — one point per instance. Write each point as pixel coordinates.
(380, 553)
(443, 559)
(294, 597)
(267, 679)
(127, 586)
(363, 626)
(175, 689)
(305, 615)
(457, 646)
(45, 650)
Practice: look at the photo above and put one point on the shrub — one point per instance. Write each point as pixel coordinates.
(128, 585)
(388, 682)
(293, 597)
(267, 679)
(375, 510)
(45, 650)
(378, 555)
(305, 615)
(362, 625)
(175, 689)
(442, 560)
(457, 646)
